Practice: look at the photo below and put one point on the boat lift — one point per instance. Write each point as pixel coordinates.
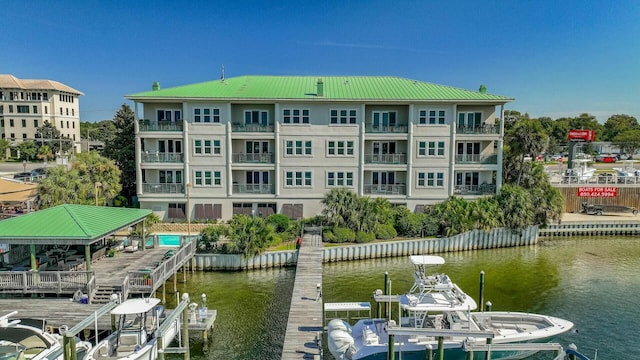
(69, 335)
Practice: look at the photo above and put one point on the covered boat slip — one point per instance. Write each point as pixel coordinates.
(37, 237)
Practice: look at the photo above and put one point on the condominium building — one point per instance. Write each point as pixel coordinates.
(26, 104)
(277, 144)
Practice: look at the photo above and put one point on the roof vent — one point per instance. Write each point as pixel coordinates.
(483, 89)
(155, 86)
(320, 86)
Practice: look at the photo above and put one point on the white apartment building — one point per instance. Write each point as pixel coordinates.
(25, 105)
(277, 144)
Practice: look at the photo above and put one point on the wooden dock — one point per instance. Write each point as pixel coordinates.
(303, 339)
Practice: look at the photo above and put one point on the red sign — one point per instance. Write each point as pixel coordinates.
(582, 135)
(597, 191)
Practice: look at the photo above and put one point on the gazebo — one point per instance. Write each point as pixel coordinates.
(67, 225)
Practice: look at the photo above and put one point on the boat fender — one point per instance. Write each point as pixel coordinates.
(137, 348)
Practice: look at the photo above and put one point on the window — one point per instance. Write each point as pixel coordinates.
(205, 147)
(338, 179)
(60, 111)
(469, 119)
(431, 148)
(257, 177)
(208, 211)
(35, 109)
(343, 116)
(24, 136)
(35, 123)
(431, 179)
(216, 147)
(384, 119)
(256, 117)
(24, 123)
(206, 115)
(1, 109)
(298, 178)
(73, 112)
(177, 211)
(45, 96)
(295, 116)
(207, 178)
(340, 148)
(67, 109)
(436, 148)
(170, 176)
(10, 109)
(432, 117)
(169, 115)
(298, 147)
(22, 109)
(46, 109)
(10, 122)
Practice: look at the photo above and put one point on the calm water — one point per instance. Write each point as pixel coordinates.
(592, 282)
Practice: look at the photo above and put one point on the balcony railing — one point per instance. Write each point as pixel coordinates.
(266, 158)
(399, 129)
(148, 125)
(477, 159)
(163, 188)
(483, 189)
(395, 189)
(150, 157)
(385, 159)
(482, 129)
(252, 128)
(253, 188)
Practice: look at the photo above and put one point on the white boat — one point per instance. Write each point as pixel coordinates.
(29, 339)
(581, 171)
(437, 308)
(134, 338)
(627, 171)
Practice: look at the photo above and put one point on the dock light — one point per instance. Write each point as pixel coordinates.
(318, 291)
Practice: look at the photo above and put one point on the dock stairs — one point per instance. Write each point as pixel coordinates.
(103, 294)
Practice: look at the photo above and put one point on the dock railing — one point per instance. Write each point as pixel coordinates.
(148, 280)
(45, 281)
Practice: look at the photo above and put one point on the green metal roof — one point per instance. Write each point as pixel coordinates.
(68, 224)
(306, 87)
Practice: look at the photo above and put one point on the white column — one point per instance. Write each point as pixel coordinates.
(452, 152)
(138, 146)
(277, 178)
(229, 151)
(409, 177)
(361, 141)
(500, 151)
(186, 147)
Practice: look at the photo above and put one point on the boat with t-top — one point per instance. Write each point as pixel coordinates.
(135, 336)
(22, 338)
(437, 313)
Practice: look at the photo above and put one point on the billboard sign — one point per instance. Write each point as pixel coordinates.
(582, 135)
(597, 191)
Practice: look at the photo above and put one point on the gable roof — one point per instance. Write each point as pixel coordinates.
(68, 224)
(306, 87)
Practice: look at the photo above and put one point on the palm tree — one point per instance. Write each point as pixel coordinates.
(516, 206)
(249, 235)
(340, 206)
(526, 137)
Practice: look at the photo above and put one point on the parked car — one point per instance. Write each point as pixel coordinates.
(606, 158)
(557, 157)
(24, 176)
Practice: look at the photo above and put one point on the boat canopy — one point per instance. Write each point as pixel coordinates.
(426, 260)
(135, 306)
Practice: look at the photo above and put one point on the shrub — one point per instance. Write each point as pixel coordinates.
(385, 231)
(279, 222)
(344, 234)
(328, 236)
(365, 237)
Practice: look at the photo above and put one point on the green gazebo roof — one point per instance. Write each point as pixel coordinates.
(334, 88)
(68, 224)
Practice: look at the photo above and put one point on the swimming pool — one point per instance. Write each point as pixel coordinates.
(167, 240)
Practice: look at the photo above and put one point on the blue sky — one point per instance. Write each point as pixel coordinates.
(556, 58)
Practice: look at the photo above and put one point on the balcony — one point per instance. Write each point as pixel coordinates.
(151, 157)
(266, 158)
(380, 189)
(381, 129)
(482, 129)
(385, 159)
(252, 128)
(484, 189)
(158, 188)
(253, 188)
(148, 125)
(477, 159)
